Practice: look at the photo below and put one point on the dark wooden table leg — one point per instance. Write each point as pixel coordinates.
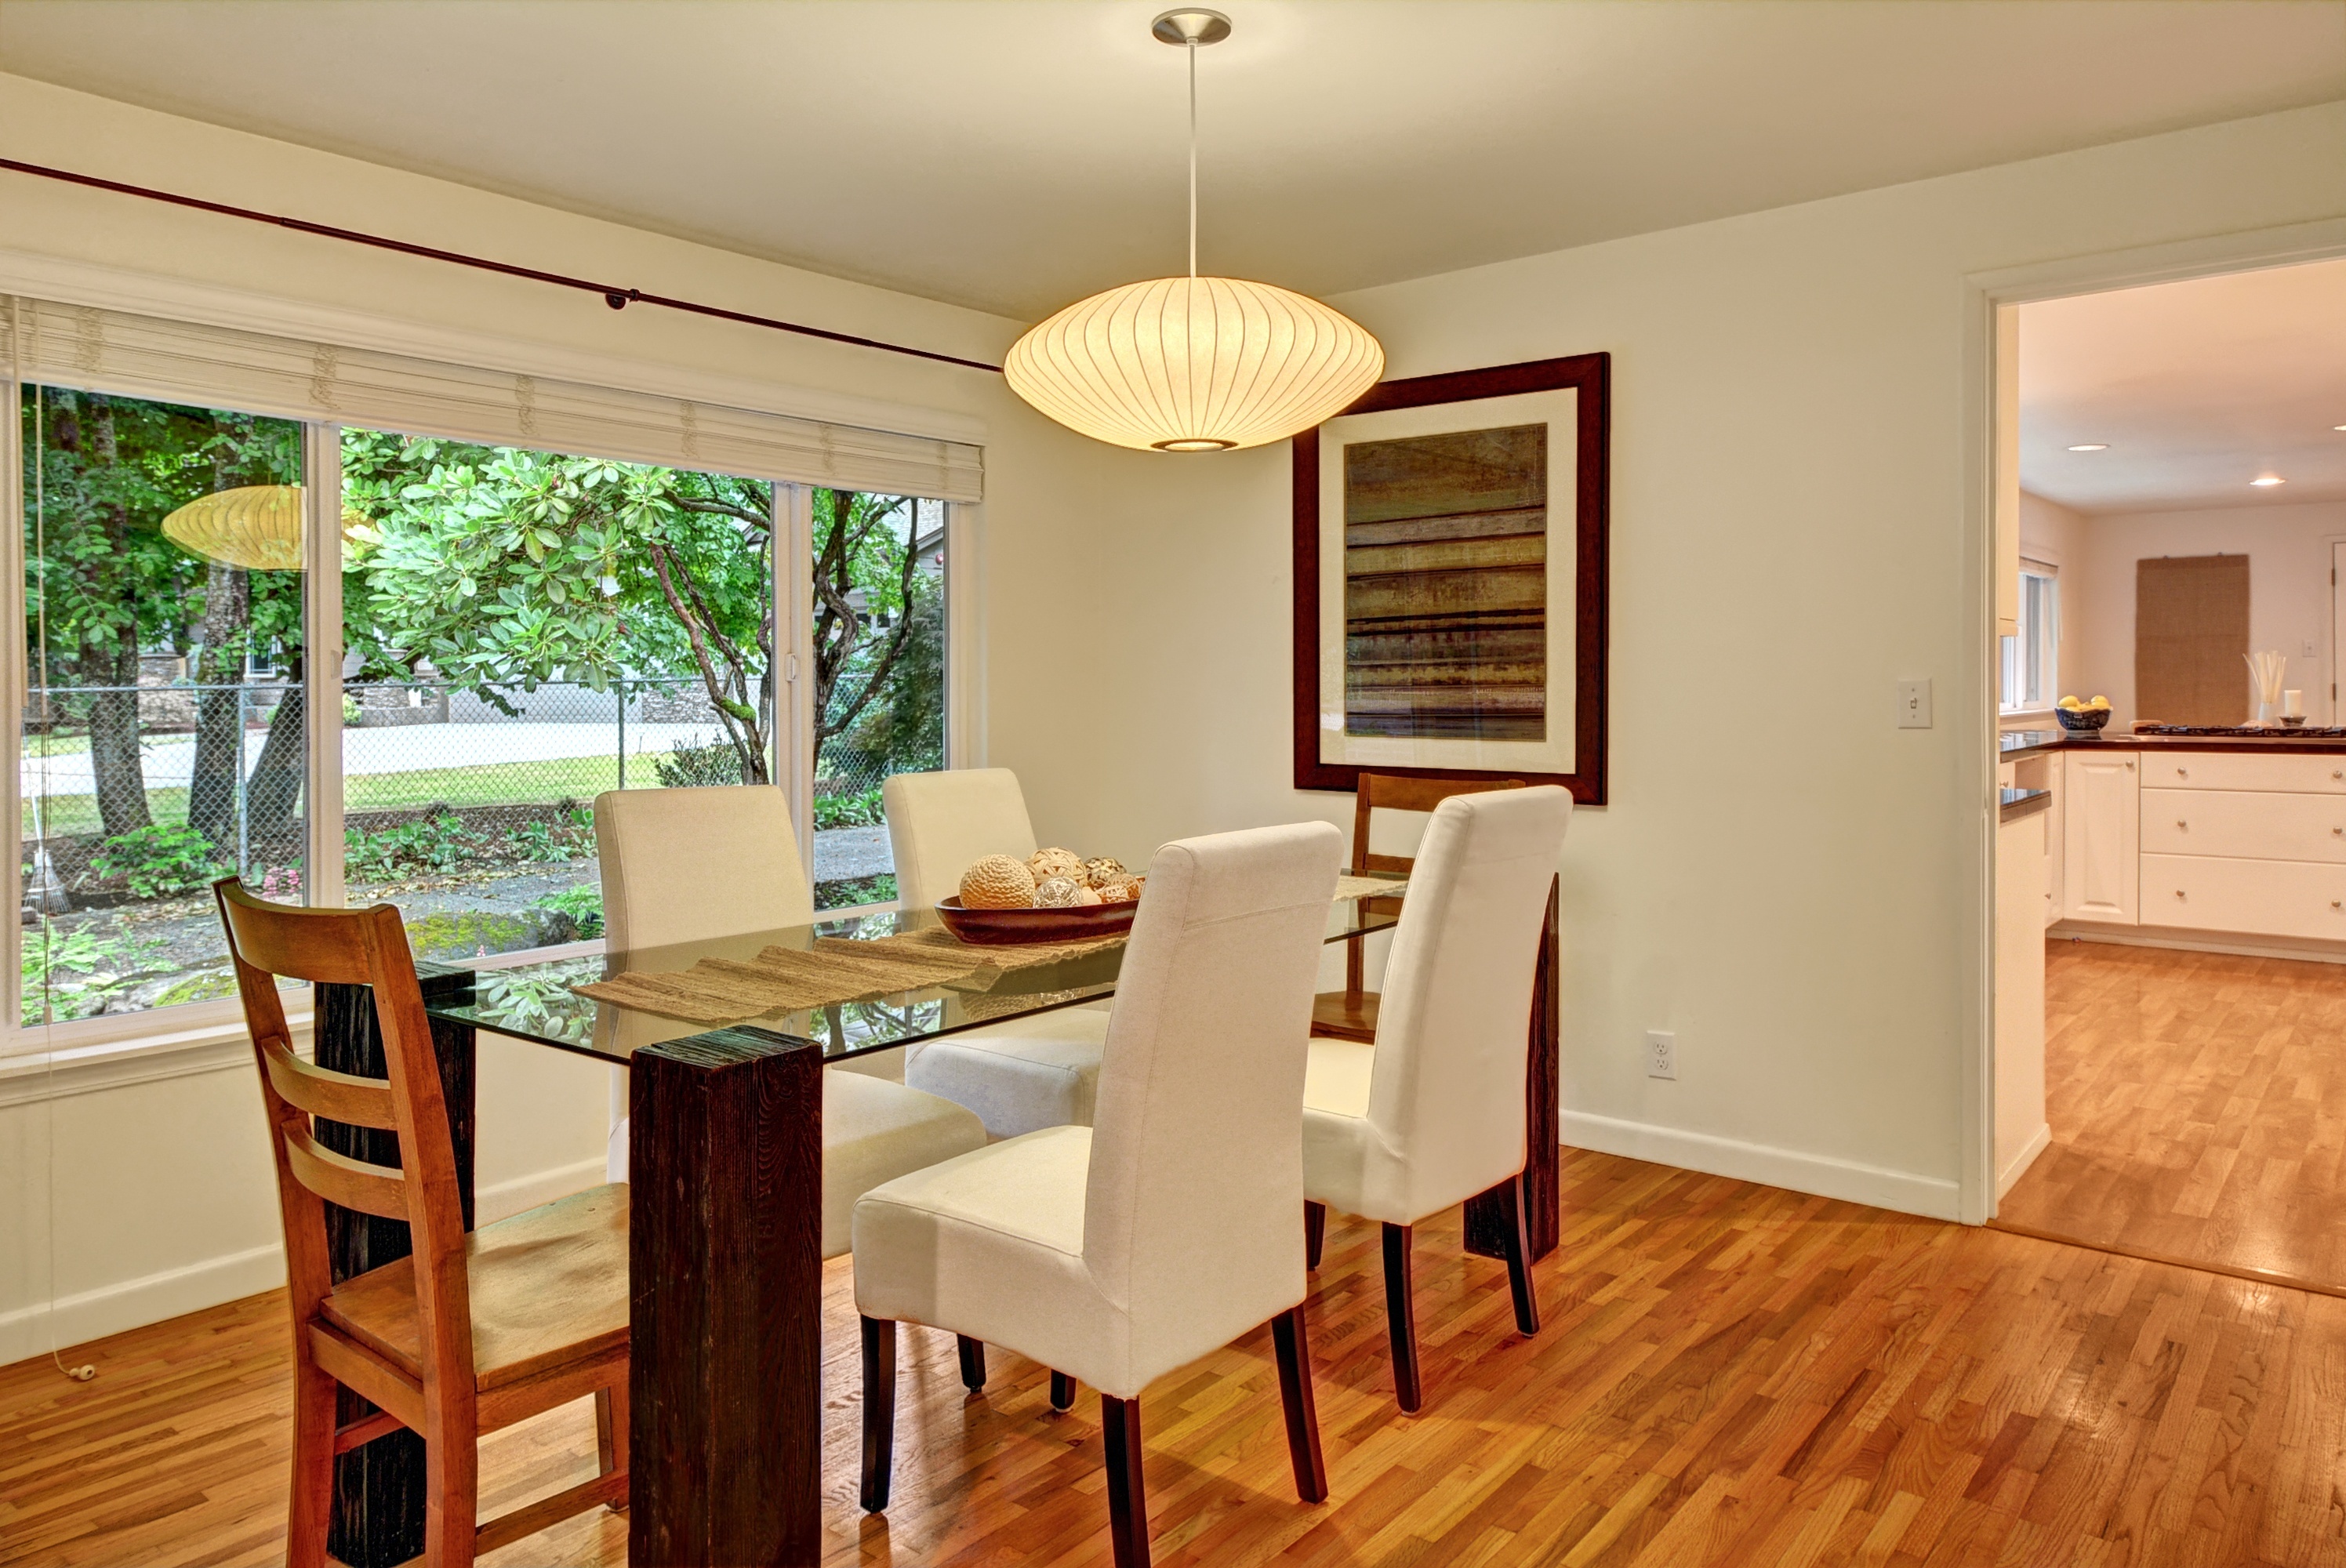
(378, 1512)
(726, 1257)
(1489, 1216)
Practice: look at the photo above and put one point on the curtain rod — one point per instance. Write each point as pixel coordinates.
(616, 297)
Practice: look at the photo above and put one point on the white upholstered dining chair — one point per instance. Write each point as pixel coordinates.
(1119, 1252)
(1025, 1074)
(693, 865)
(1432, 1112)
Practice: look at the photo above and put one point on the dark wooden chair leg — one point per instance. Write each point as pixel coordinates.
(1519, 1258)
(1400, 1318)
(879, 1410)
(972, 1361)
(1127, 1500)
(611, 1436)
(1063, 1391)
(1315, 1232)
(1295, 1397)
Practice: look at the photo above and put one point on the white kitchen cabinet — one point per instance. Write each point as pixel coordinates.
(2101, 836)
(2315, 775)
(2264, 897)
(2244, 824)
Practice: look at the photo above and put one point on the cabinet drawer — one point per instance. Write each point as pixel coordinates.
(2242, 824)
(2261, 898)
(2318, 773)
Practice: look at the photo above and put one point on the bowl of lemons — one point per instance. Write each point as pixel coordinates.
(2083, 717)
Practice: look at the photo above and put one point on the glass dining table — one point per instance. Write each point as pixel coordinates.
(725, 1152)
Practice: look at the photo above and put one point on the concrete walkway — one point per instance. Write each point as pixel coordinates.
(169, 762)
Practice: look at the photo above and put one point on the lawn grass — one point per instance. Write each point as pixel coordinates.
(579, 779)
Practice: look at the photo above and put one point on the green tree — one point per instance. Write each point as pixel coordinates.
(505, 566)
(104, 585)
(867, 548)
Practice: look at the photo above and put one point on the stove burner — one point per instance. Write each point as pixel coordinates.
(2250, 731)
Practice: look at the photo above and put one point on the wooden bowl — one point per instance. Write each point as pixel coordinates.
(1002, 928)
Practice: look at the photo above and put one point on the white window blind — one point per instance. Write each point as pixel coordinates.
(179, 362)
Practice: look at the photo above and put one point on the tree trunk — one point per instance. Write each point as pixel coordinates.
(211, 786)
(273, 795)
(117, 769)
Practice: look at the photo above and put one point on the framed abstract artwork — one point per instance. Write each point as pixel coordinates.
(1451, 579)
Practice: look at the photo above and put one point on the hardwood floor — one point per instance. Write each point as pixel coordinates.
(2197, 1103)
(1728, 1374)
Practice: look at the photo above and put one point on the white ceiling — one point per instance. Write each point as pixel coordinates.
(2197, 388)
(1017, 154)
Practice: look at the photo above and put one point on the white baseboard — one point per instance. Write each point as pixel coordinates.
(2197, 941)
(491, 1204)
(2038, 1141)
(133, 1303)
(1821, 1174)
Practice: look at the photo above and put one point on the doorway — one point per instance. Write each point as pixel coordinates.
(2171, 494)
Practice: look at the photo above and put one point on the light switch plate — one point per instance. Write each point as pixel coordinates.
(1914, 705)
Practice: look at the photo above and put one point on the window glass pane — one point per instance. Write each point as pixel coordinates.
(164, 730)
(879, 582)
(525, 630)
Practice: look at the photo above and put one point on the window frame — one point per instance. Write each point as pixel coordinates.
(2044, 631)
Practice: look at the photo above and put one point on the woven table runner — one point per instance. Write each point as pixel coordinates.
(1368, 888)
(983, 964)
(780, 979)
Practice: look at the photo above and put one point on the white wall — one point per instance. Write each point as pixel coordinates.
(2053, 533)
(164, 1201)
(2288, 547)
(1785, 879)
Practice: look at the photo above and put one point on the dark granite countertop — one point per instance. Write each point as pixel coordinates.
(2014, 743)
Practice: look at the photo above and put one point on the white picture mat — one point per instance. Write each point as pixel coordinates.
(1560, 412)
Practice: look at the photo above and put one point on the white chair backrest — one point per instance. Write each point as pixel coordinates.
(691, 865)
(940, 824)
(1446, 1092)
(1190, 1217)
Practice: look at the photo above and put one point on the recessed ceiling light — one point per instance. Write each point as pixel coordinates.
(2338, 427)
(2267, 482)
(2091, 446)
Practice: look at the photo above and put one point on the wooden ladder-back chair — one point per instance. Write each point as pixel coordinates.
(471, 1333)
(1351, 1014)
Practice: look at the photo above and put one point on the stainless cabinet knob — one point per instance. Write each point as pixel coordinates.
(2182, 824)
(2178, 892)
(2183, 773)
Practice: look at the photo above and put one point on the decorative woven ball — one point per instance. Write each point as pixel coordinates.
(1118, 894)
(997, 883)
(1105, 871)
(1048, 863)
(1055, 893)
(1087, 896)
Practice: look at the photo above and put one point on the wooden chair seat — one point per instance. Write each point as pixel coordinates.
(549, 1290)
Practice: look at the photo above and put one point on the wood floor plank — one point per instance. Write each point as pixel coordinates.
(2198, 1104)
(1730, 1374)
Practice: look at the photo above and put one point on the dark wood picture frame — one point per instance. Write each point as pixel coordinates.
(1592, 376)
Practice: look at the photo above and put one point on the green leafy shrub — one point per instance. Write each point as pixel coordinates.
(469, 933)
(76, 971)
(570, 837)
(690, 767)
(158, 861)
(583, 906)
(851, 892)
(435, 844)
(860, 810)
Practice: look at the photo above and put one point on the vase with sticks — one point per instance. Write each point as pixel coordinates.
(2267, 669)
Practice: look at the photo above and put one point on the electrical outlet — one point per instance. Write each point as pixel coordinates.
(1914, 705)
(1661, 1053)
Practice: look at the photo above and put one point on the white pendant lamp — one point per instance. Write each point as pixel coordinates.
(1194, 364)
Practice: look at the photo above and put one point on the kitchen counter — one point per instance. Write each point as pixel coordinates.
(2017, 743)
(2015, 804)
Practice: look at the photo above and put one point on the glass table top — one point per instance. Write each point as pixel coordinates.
(535, 1002)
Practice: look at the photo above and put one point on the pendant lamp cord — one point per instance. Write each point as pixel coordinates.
(1193, 159)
